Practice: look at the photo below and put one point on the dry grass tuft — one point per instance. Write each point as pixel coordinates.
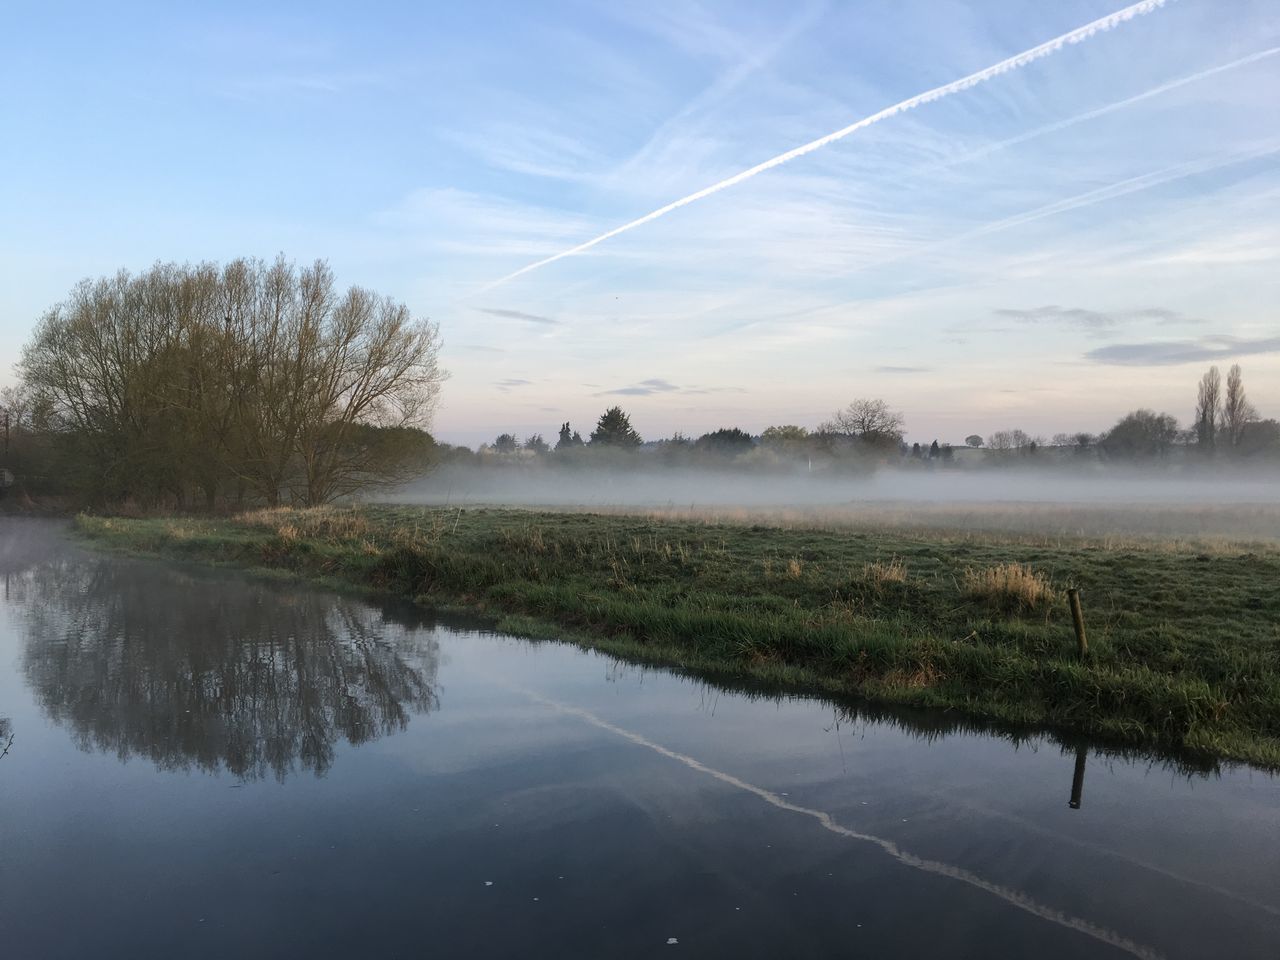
(922, 677)
(795, 568)
(881, 572)
(527, 539)
(1010, 586)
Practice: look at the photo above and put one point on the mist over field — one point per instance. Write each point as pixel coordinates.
(1242, 505)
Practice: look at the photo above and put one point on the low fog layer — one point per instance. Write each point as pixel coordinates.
(1242, 507)
(588, 487)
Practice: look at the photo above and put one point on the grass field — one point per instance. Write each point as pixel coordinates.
(1184, 645)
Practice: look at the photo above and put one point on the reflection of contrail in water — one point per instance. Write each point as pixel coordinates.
(1103, 850)
(1015, 62)
(1012, 897)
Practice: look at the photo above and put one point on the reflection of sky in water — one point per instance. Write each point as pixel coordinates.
(609, 807)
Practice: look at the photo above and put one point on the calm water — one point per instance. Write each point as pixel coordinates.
(203, 765)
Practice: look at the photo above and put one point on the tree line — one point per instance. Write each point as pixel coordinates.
(251, 382)
(1225, 426)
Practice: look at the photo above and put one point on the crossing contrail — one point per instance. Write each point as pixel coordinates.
(1015, 62)
(1112, 107)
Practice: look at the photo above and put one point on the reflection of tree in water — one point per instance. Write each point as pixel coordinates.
(6, 736)
(213, 674)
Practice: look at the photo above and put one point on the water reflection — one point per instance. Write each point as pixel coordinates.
(208, 673)
(6, 737)
(1077, 779)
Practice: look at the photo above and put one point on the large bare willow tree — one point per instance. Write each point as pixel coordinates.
(252, 379)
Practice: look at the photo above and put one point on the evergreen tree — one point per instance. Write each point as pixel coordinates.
(614, 430)
(568, 438)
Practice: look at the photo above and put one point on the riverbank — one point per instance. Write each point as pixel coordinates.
(1184, 648)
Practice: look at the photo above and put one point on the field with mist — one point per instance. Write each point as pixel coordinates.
(1113, 507)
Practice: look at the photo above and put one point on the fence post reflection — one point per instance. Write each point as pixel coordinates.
(1077, 780)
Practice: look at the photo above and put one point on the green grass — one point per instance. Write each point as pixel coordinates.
(1184, 647)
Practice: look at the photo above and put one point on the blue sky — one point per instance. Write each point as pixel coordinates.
(1047, 250)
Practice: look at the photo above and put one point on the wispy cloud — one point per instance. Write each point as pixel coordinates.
(1086, 319)
(1169, 352)
(511, 383)
(518, 315)
(644, 388)
(657, 385)
(480, 348)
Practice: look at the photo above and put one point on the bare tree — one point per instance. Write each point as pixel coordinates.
(868, 420)
(193, 378)
(1237, 411)
(1208, 410)
(1010, 441)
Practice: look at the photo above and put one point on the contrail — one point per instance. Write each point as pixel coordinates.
(1015, 62)
(1014, 898)
(1109, 107)
(1111, 191)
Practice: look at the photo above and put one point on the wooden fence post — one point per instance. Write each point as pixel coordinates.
(1077, 617)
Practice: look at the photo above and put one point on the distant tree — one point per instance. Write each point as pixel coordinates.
(1260, 438)
(933, 450)
(1140, 434)
(1032, 447)
(536, 445)
(915, 450)
(1237, 411)
(782, 436)
(614, 430)
(675, 449)
(870, 421)
(28, 449)
(973, 440)
(727, 442)
(568, 438)
(1208, 410)
(1007, 441)
(948, 453)
(506, 443)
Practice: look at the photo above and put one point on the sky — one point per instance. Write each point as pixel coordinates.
(1047, 250)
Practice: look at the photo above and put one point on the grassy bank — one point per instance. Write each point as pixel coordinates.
(1184, 647)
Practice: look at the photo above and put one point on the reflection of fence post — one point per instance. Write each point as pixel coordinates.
(1077, 779)
(1077, 617)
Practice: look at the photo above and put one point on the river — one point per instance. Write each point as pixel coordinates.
(198, 763)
